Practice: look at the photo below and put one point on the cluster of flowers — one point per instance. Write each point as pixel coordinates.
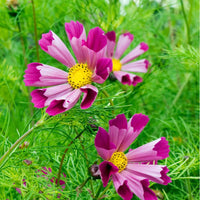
(97, 56)
(95, 60)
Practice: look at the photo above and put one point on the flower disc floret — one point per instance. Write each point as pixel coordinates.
(116, 65)
(79, 75)
(120, 160)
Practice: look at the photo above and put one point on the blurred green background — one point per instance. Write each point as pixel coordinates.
(168, 95)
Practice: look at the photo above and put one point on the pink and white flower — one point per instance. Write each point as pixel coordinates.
(132, 171)
(66, 87)
(122, 65)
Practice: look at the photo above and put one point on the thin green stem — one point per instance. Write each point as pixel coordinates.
(5, 157)
(110, 100)
(79, 188)
(98, 192)
(63, 156)
(35, 31)
(107, 95)
(186, 21)
(87, 162)
(108, 186)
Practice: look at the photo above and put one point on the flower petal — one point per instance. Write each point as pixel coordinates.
(135, 125)
(103, 69)
(148, 193)
(122, 186)
(156, 150)
(38, 74)
(127, 78)
(18, 190)
(111, 39)
(155, 173)
(117, 130)
(137, 66)
(90, 93)
(123, 43)
(135, 184)
(43, 97)
(62, 105)
(95, 46)
(104, 146)
(54, 46)
(107, 169)
(140, 49)
(76, 33)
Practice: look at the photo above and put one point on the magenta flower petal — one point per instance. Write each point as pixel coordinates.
(135, 125)
(76, 33)
(38, 98)
(122, 186)
(38, 74)
(119, 121)
(117, 130)
(90, 93)
(95, 46)
(54, 46)
(56, 107)
(134, 183)
(127, 78)
(123, 43)
(137, 66)
(148, 193)
(104, 146)
(43, 97)
(107, 169)
(103, 69)
(155, 173)
(156, 150)
(111, 38)
(125, 192)
(140, 49)
(59, 106)
(18, 190)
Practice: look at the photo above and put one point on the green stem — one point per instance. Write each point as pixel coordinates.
(108, 186)
(14, 146)
(79, 188)
(98, 192)
(87, 162)
(63, 156)
(35, 31)
(186, 21)
(107, 95)
(110, 100)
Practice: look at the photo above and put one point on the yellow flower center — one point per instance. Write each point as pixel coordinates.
(116, 64)
(79, 75)
(120, 160)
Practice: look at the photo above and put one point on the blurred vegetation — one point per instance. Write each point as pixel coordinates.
(168, 95)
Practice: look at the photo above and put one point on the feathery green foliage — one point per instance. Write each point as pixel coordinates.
(168, 95)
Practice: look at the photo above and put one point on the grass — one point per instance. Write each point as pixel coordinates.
(168, 95)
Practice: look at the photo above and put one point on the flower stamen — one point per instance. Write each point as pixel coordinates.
(79, 75)
(120, 160)
(116, 65)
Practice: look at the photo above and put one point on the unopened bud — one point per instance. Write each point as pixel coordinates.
(94, 171)
(28, 162)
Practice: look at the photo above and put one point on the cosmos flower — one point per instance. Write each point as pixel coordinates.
(131, 171)
(122, 65)
(66, 87)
